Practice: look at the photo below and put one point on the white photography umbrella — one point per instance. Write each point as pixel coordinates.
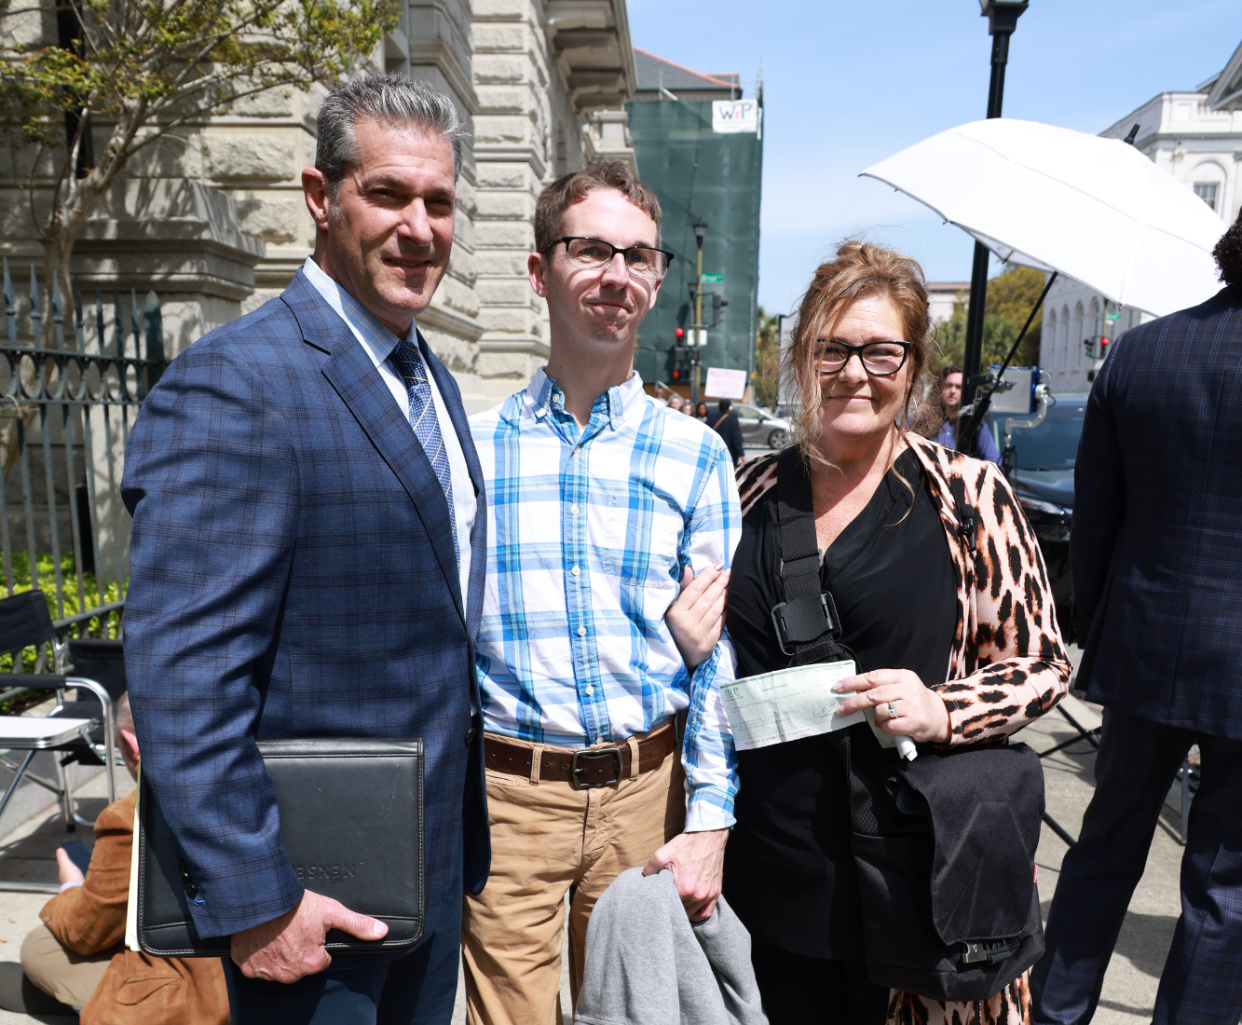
(1054, 199)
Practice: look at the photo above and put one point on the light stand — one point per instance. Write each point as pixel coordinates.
(1002, 18)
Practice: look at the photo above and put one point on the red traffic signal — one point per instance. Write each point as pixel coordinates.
(679, 333)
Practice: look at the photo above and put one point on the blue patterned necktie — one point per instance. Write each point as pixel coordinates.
(405, 357)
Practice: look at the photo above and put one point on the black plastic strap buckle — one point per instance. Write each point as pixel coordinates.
(989, 951)
(805, 619)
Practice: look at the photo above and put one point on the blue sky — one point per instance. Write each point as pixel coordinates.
(846, 85)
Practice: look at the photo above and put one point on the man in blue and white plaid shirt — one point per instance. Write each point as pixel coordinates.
(603, 507)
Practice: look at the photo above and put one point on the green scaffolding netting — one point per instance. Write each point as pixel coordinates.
(699, 174)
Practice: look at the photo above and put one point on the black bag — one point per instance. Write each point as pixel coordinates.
(351, 822)
(944, 846)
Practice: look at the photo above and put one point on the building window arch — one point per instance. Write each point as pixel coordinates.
(1065, 338)
(1053, 337)
(1208, 180)
(1094, 327)
(1077, 336)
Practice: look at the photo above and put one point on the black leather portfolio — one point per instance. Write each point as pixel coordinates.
(351, 821)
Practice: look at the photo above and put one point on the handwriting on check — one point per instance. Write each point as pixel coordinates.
(776, 708)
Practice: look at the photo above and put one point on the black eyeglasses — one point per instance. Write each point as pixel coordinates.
(596, 254)
(880, 359)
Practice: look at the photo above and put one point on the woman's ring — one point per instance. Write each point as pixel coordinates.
(892, 709)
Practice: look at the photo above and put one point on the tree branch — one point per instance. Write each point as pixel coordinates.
(152, 67)
(34, 166)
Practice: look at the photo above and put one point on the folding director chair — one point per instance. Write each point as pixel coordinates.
(1092, 737)
(80, 730)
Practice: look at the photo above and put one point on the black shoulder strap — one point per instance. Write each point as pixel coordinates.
(806, 621)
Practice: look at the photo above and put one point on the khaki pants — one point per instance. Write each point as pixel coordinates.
(58, 971)
(548, 840)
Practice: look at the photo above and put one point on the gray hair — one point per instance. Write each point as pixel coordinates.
(122, 714)
(388, 99)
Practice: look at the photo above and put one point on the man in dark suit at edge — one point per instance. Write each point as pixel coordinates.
(1156, 553)
(308, 560)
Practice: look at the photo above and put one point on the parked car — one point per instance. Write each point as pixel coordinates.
(1042, 474)
(759, 427)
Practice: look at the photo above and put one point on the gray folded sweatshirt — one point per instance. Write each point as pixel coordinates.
(648, 964)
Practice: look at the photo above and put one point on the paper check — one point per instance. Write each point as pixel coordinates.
(778, 707)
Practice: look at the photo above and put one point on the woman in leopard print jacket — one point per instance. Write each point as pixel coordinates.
(953, 630)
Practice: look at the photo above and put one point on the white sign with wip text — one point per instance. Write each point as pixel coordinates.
(725, 384)
(735, 116)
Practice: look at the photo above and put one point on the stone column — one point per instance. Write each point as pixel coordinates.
(542, 68)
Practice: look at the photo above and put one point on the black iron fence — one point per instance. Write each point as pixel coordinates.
(65, 415)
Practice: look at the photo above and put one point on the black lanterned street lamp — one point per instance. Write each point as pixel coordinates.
(700, 232)
(1002, 18)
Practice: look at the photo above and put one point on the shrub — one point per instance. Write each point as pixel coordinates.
(108, 625)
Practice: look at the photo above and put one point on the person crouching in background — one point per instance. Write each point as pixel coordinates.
(76, 959)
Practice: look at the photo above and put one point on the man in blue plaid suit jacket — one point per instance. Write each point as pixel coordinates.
(1156, 552)
(308, 560)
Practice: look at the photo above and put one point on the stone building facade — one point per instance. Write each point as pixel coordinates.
(1197, 137)
(213, 219)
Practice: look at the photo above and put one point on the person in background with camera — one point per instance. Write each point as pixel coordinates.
(950, 624)
(76, 958)
(951, 402)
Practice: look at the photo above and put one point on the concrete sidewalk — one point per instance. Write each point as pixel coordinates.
(1129, 994)
(1129, 988)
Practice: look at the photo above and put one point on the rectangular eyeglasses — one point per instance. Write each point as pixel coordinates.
(880, 359)
(596, 254)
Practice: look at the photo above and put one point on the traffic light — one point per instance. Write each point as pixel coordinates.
(1097, 348)
(719, 302)
(681, 360)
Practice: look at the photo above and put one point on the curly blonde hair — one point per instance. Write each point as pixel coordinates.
(861, 270)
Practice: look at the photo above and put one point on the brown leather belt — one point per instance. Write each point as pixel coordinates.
(584, 768)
